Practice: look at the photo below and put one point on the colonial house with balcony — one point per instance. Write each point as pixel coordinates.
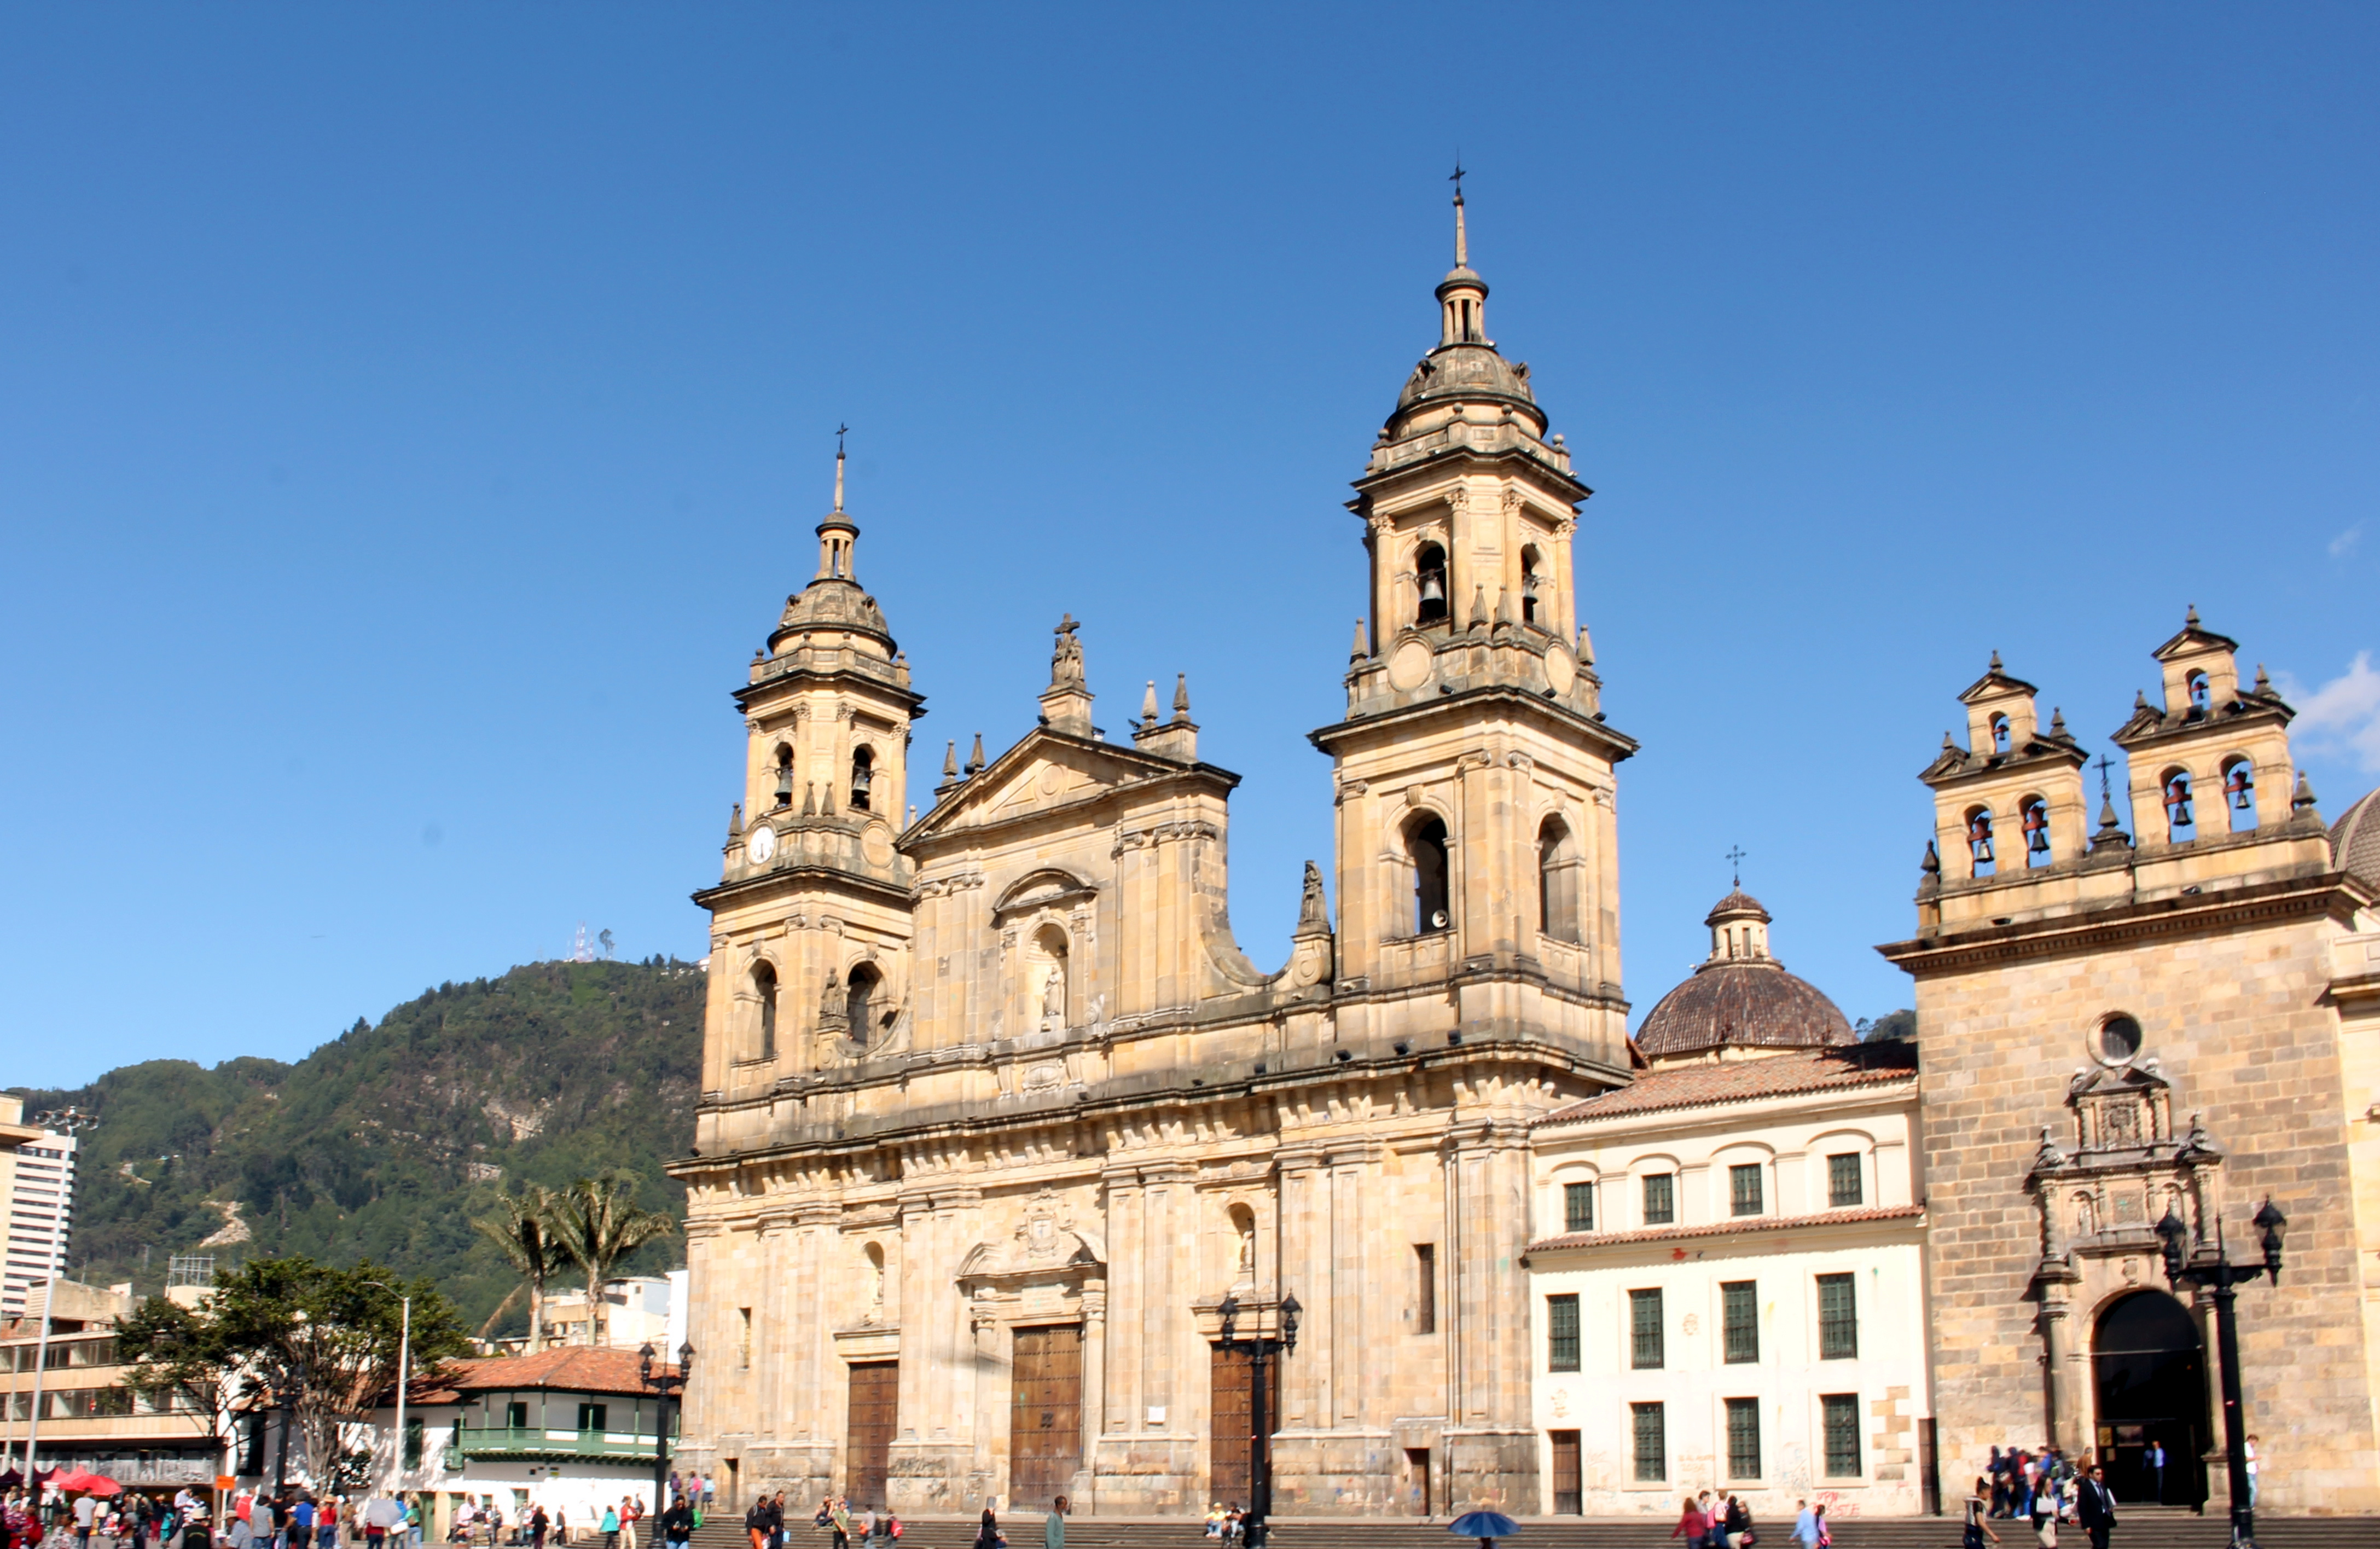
(571, 1430)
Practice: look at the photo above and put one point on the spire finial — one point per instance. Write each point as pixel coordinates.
(1461, 243)
(2190, 618)
(1996, 661)
(839, 431)
(1181, 696)
(1735, 863)
(1149, 706)
(951, 761)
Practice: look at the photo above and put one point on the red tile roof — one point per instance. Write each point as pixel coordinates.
(575, 1368)
(1727, 1229)
(1744, 1080)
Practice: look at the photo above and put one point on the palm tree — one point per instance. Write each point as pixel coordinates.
(525, 1235)
(597, 1223)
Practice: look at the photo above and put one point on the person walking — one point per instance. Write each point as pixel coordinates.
(1976, 1530)
(86, 1511)
(2096, 1511)
(610, 1526)
(988, 1535)
(678, 1524)
(1053, 1532)
(2255, 1471)
(1694, 1525)
(2157, 1468)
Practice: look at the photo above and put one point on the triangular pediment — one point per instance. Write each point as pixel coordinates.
(1046, 771)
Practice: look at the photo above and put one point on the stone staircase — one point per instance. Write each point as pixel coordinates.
(2140, 1528)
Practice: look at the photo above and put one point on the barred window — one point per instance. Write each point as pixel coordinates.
(1843, 1180)
(1645, 1347)
(1660, 1199)
(417, 1434)
(1743, 1438)
(1743, 1188)
(1841, 1427)
(1740, 1320)
(1578, 1207)
(1561, 1333)
(1837, 1318)
(1652, 1442)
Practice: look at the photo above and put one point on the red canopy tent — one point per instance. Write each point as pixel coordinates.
(75, 1481)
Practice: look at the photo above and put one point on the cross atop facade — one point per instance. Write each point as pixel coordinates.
(839, 431)
(1457, 178)
(1735, 862)
(2103, 777)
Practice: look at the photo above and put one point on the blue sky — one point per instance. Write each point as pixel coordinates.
(411, 419)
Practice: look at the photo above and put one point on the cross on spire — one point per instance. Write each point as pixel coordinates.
(840, 429)
(2103, 777)
(1461, 241)
(1735, 862)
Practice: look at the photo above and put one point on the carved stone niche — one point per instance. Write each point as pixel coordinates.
(2103, 1198)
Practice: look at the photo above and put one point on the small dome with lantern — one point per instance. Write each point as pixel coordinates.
(1740, 1001)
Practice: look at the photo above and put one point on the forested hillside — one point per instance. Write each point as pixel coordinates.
(387, 1141)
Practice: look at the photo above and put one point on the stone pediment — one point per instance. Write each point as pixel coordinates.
(1045, 771)
(1041, 1245)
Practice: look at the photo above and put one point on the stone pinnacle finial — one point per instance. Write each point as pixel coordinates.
(2056, 721)
(1360, 649)
(2301, 798)
(951, 760)
(1503, 606)
(1996, 661)
(809, 798)
(1931, 861)
(1181, 697)
(1585, 648)
(2140, 699)
(736, 822)
(2263, 684)
(2191, 617)
(1149, 705)
(1479, 606)
(1949, 746)
(975, 758)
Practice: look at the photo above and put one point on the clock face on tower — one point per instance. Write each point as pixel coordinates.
(760, 844)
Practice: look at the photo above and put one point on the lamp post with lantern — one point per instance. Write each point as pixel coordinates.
(663, 1381)
(2210, 1266)
(1258, 1349)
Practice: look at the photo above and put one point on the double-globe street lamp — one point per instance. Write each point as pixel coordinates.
(2210, 1266)
(661, 1379)
(1257, 1348)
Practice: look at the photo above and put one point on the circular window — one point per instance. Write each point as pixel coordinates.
(2119, 1039)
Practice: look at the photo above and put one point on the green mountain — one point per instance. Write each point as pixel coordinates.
(386, 1142)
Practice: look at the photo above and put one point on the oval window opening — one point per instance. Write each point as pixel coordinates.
(2119, 1039)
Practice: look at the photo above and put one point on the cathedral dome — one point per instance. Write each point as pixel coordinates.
(1466, 373)
(1742, 997)
(2355, 839)
(832, 602)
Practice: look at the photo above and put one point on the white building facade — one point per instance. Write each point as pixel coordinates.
(1728, 1268)
(41, 1216)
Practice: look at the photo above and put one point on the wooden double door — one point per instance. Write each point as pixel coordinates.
(1045, 1415)
(875, 1411)
(1231, 1426)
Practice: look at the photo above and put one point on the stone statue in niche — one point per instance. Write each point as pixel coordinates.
(1245, 1273)
(1053, 998)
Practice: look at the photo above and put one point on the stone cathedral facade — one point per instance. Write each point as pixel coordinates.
(997, 1112)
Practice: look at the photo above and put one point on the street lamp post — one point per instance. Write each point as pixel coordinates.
(403, 1380)
(663, 1381)
(2210, 1266)
(1259, 1349)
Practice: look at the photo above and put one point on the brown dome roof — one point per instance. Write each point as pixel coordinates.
(1748, 1003)
(2355, 839)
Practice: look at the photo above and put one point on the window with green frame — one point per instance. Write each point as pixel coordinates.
(1743, 1438)
(1837, 1318)
(1744, 1194)
(1843, 1188)
(1839, 1422)
(1562, 1333)
(1660, 1198)
(1578, 1207)
(1740, 1321)
(1647, 1351)
(1650, 1426)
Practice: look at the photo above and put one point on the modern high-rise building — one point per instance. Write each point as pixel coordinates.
(40, 1188)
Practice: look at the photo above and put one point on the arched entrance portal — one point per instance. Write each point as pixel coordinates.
(2150, 1374)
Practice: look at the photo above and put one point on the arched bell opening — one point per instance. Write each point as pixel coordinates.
(2148, 1369)
(1999, 725)
(1425, 849)
(2180, 806)
(1430, 572)
(863, 778)
(1556, 881)
(1532, 587)
(2240, 792)
(1979, 842)
(785, 767)
(764, 990)
(2033, 816)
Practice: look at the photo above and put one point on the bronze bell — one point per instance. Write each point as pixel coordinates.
(2241, 787)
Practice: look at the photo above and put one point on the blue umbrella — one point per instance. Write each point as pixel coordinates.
(1485, 1526)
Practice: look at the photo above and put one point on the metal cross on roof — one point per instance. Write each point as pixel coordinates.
(1457, 178)
(1735, 862)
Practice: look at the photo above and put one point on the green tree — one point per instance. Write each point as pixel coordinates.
(525, 1235)
(598, 1223)
(323, 1337)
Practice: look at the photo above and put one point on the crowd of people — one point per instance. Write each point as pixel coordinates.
(2044, 1489)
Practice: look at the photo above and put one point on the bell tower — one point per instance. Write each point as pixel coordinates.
(811, 914)
(1476, 826)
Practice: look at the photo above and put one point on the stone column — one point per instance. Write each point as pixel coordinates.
(2062, 1422)
(1095, 1383)
(1120, 1396)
